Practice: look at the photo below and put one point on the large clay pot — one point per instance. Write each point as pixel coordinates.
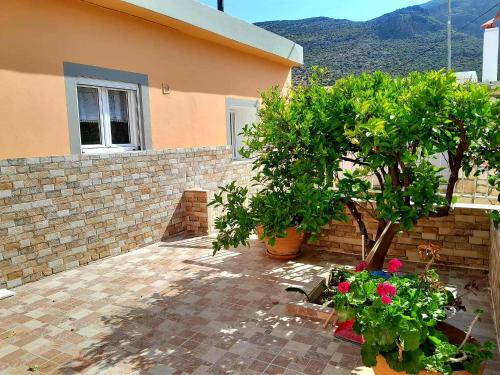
(383, 368)
(455, 336)
(284, 248)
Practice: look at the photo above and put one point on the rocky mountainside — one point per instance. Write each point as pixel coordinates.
(412, 38)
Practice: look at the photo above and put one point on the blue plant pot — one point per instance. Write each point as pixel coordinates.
(383, 274)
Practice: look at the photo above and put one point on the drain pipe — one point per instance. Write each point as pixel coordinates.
(220, 5)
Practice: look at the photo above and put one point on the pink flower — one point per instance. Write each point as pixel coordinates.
(390, 289)
(381, 289)
(386, 300)
(386, 289)
(394, 265)
(344, 287)
(361, 267)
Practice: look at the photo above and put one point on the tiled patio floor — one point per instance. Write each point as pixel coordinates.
(172, 308)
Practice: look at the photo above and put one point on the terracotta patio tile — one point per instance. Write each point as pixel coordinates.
(275, 370)
(258, 366)
(172, 307)
(266, 357)
(314, 367)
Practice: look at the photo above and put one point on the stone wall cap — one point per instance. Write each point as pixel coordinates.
(80, 157)
(476, 206)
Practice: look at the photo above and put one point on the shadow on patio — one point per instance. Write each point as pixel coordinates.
(215, 321)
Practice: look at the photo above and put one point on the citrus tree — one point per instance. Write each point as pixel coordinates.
(389, 130)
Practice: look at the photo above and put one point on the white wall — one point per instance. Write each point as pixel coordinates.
(490, 55)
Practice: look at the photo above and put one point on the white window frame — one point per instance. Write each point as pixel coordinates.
(134, 109)
(232, 104)
(232, 134)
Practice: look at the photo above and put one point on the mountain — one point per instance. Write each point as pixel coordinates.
(463, 12)
(412, 38)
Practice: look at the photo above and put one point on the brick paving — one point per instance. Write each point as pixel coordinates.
(172, 308)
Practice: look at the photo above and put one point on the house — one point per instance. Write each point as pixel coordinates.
(490, 49)
(100, 76)
(119, 121)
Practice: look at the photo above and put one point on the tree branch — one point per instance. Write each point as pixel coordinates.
(406, 178)
(394, 172)
(382, 170)
(469, 331)
(381, 226)
(455, 163)
(355, 161)
(380, 180)
(359, 220)
(365, 210)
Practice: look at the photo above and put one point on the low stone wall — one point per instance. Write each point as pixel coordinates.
(58, 213)
(464, 237)
(195, 211)
(495, 276)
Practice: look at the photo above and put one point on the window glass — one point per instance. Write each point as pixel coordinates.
(118, 114)
(238, 118)
(108, 115)
(88, 110)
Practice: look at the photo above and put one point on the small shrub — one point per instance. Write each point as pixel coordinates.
(398, 319)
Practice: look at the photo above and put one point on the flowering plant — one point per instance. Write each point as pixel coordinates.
(398, 318)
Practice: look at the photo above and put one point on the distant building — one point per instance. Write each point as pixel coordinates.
(490, 49)
(464, 77)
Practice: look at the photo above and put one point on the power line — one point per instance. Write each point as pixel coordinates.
(478, 17)
(454, 31)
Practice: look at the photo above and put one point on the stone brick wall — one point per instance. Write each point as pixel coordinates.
(58, 213)
(464, 237)
(195, 211)
(495, 276)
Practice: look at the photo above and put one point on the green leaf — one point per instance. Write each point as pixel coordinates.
(410, 340)
(369, 355)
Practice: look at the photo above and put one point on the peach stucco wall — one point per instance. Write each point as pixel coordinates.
(36, 37)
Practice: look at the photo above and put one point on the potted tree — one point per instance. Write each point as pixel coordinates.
(290, 200)
(274, 215)
(401, 319)
(393, 130)
(387, 129)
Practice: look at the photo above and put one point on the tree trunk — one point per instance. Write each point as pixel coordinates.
(377, 262)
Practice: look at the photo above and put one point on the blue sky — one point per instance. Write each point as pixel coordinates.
(267, 10)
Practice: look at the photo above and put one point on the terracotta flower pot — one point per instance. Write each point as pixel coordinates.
(455, 336)
(284, 248)
(383, 368)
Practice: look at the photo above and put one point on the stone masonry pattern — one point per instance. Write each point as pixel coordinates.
(195, 204)
(58, 213)
(464, 237)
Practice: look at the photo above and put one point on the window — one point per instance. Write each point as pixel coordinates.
(108, 114)
(239, 113)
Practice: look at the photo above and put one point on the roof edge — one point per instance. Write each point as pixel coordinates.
(189, 16)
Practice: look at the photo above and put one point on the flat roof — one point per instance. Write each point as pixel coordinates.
(200, 20)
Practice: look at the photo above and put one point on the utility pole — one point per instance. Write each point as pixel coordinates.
(449, 34)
